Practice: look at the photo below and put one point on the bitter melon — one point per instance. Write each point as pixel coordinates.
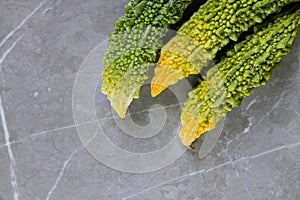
(133, 45)
(248, 65)
(209, 30)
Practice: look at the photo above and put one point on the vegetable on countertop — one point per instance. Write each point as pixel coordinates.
(132, 48)
(248, 65)
(209, 29)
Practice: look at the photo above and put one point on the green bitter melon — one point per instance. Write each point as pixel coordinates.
(132, 48)
(209, 29)
(248, 65)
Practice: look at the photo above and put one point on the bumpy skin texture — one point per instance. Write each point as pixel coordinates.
(133, 45)
(210, 28)
(248, 65)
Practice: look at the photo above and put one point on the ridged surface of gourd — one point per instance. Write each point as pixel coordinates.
(248, 65)
(133, 44)
(210, 28)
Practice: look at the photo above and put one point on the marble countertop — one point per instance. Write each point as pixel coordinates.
(42, 46)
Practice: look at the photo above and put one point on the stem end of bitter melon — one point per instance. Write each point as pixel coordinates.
(163, 78)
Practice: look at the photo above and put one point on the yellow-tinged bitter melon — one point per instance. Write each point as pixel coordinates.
(133, 45)
(248, 65)
(209, 29)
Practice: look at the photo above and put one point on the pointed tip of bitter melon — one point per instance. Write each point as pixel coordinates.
(201, 111)
(119, 110)
(163, 78)
(189, 132)
(117, 104)
(179, 58)
(156, 89)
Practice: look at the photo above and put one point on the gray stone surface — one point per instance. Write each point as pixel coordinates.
(257, 156)
(40, 160)
(2, 139)
(40, 73)
(248, 178)
(6, 191)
